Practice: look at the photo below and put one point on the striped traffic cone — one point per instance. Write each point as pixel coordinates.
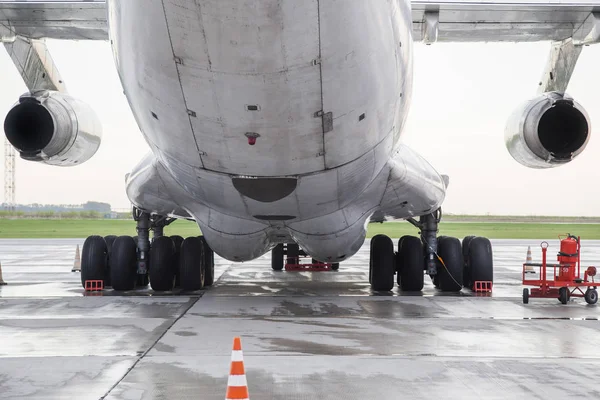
(237, 386)
(77, 262)
(2, 283)
(528, 268)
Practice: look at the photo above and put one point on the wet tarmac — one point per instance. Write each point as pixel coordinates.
(322, 335)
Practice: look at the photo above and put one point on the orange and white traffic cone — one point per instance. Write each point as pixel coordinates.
(2, 283)
(77, 262)
(237, 386)
(528, 268)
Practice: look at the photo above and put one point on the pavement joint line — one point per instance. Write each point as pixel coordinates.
(192, 304)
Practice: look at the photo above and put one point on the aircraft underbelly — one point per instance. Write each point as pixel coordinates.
(247, 68)
(317, 83)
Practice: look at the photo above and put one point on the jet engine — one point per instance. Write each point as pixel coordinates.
(548, 131)
(53, 128)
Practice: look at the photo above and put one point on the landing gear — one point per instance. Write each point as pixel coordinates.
(443, 258)
(209, 263)
(478, 261)
(109, 242)
(126, 262)
(277, 256)
(162, 264)
(94, 260)
(192, 265)
(450, 270)
(177, 241)
(410, 264)
(123, 264)
(382, 263)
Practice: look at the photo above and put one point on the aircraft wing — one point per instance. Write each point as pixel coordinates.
(505, 20)
(71, 20)
(433, 20)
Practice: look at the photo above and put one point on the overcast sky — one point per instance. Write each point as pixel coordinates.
(463, 96)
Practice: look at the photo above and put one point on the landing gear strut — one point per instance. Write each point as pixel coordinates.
(428, 224)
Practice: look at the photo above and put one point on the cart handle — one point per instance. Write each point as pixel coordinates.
(544, 245)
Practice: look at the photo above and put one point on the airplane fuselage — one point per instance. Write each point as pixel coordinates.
(273, 121)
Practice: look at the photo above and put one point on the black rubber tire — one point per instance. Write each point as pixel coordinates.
(209, 263)
(526, 296)
(94, 260)
(162, 268)
(142, 281)
(591, 296)
(277, 257)
(370, 262)
(479, 265)
(398, 261)
(293, 253)
(411, 277)
(383, 263)
(123, 272)
(191, 264)
(465, 246)
(564, 295)
(450, 277)
(177, 241)
(335, 266)
(109, 242)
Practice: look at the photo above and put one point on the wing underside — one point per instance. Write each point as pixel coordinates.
(433, 20)
(69, 20)
(509, 20)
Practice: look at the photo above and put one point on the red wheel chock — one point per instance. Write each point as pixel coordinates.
(94, 286)
(483, 287)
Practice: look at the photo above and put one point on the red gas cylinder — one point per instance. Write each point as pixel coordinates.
(567, 258)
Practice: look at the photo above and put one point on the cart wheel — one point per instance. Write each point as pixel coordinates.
(525, 296)
(564, 295)
(591, 296)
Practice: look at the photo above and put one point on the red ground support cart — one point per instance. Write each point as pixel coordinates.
(294, 257)
(563, 279)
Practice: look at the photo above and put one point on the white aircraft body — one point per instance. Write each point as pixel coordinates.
(277, 125)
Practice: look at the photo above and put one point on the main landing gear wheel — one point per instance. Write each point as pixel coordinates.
(109, 242)
(209, 263)
(591, 296)
(191, 264)
(162, 268)
(450, 273)
(410, 264)
(277, 257)
(335, 266)
(564, 295)
(479, 261)
(177, 241)
(123, 271)
(93, 260)
(382, 263)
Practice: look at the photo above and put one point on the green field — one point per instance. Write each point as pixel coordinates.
(77, 228)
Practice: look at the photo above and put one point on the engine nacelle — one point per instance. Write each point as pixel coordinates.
(548, 131)
(53, 128)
